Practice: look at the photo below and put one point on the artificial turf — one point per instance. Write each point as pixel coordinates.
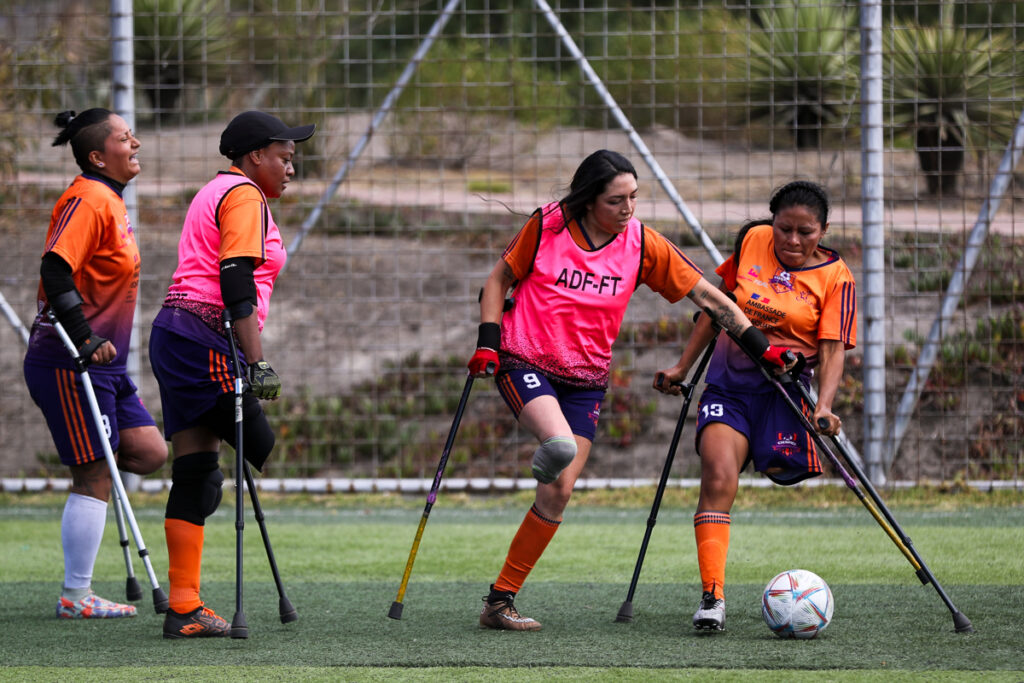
(342, 567)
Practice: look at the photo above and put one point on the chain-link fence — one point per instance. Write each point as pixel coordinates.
(441, 125)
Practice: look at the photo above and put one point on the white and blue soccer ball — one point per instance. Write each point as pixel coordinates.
(797, 604)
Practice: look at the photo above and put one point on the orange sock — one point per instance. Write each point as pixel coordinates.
(184, 557)
(712, 532)
(528, 545)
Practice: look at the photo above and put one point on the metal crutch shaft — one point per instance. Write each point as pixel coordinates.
(160, 602)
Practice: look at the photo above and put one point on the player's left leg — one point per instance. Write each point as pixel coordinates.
(543, 416)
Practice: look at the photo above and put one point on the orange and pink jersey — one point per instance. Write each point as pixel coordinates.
(794, 308)
(228, 218)
(90, 230)
(571, 297)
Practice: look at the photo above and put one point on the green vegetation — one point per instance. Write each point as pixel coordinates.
(954, 89)
(180, 46)
(802, 69)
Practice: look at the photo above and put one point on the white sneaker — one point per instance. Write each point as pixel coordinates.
(710, 614)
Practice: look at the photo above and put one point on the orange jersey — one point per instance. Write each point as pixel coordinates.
(665, 268)
(794, 308)
(90, 230)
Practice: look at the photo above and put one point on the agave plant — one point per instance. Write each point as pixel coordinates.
(802, 67)
(177, 43)
(953, 89)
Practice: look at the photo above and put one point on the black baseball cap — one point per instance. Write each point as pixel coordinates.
(253, 130)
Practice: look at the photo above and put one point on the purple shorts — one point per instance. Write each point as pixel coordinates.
(191, 375)
(60, 394)
(775, 435)
(581, 407)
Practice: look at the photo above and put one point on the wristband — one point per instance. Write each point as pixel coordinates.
(754, 341)
(489, 336)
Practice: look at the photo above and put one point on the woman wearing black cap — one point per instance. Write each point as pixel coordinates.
(229, 256)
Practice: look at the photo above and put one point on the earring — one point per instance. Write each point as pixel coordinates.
(100, 164)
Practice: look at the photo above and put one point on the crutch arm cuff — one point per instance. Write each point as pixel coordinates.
(754, 341)
(67, 306)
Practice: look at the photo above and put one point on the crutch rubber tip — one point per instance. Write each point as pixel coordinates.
(396, 610)
(961, 623)
(287, 612)
(132, 589)
(160, 603)
(625, 614)
(239, 627)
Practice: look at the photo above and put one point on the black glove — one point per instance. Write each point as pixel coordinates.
(263, 381)
(89, 347)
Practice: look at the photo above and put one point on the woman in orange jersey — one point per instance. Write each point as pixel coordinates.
(574, 266)
(89, 277)
(801, 295)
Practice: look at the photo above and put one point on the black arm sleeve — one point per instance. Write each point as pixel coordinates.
(237, 286)
(55, 274)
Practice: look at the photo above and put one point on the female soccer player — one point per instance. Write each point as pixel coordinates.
(802, 296)
(229, 256)
(89, 277)
(574, 265)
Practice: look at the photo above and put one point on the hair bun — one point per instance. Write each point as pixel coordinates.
(63, 119)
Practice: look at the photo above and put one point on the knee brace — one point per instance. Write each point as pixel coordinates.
(553, 456)
(196, 487)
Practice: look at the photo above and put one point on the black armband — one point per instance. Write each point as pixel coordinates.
(64, 299)
(489, 336)
(238, 286)
(754, 341)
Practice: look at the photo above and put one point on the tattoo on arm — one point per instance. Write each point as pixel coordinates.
(507, 276)
(723, 313)
(728, 320)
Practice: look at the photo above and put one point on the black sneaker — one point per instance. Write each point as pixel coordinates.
(710, 615)
(201, 622)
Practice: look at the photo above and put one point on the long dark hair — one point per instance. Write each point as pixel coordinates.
(87, 132)
(797, 193)
(590, 180)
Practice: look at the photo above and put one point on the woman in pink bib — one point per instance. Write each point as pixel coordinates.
(573, 267)
(229, 256)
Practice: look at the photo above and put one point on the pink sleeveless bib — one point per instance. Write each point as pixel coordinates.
(570, 307)
(198, 274)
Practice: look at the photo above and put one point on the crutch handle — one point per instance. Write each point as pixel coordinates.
(822, 423)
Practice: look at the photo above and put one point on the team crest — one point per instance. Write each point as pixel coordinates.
(782, 281)
(785, 444)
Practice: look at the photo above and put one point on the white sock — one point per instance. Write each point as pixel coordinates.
(81, 530)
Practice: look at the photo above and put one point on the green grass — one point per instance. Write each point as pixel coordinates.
(342, 560)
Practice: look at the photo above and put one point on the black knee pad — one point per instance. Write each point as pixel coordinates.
(257, 436)
(196, 487)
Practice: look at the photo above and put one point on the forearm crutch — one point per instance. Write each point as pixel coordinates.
(395, 612)
(121, 503)
(285, 609)
(287, 613)
(132, 589)
(961, 623)
(626, 610)
(891, 527)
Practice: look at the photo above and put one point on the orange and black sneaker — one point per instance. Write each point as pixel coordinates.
(201, 622)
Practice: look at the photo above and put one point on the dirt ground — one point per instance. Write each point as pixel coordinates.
(353, 301)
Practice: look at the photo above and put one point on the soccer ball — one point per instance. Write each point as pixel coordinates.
(797, 604)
